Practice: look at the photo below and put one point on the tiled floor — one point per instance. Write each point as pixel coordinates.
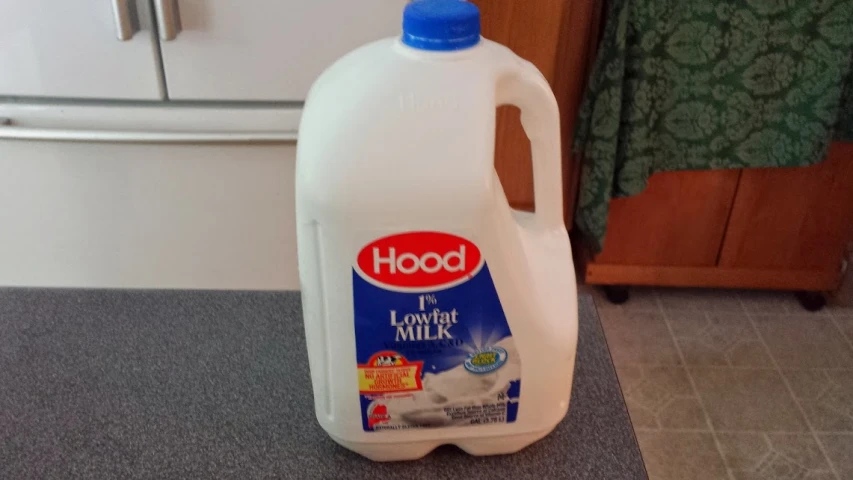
(735, 385)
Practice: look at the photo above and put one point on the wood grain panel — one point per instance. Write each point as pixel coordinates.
(578, 46)
(679, 220)
(794, 218)
(554, 35)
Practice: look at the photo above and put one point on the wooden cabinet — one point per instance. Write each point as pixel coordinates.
(792, 217)
(780, 228)
(680, 220)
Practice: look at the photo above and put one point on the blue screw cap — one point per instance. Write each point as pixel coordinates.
(441, 25)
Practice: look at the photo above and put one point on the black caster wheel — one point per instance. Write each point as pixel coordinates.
(616, 294)
(811, 301)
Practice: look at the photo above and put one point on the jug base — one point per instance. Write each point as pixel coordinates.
(482, 446)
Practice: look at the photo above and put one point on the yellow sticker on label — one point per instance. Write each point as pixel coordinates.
(388, 372)
(484, 358)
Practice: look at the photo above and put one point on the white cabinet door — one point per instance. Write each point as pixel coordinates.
(266, 49)
(60, 48)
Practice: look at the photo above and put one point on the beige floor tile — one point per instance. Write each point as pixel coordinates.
(747, 399)
(770, 302)
(661, 397)
(703, 300)
(730, 341)
(641, 300)
(760, 456)
(638, 338)
(681, 456)
(718, 339)
(804, 341)
(845, 324)
(826, 397)
(840, 311)
(839, 448)
(816, 476)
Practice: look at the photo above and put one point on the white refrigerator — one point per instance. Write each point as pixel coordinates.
(151, 143)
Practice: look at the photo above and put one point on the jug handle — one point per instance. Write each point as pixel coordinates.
(521, 84)
(543, 234)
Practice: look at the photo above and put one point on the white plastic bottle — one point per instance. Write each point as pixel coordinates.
(434, 313)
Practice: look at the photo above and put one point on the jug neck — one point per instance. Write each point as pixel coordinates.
(438, 56)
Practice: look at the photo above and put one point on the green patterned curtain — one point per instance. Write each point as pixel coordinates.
(686, 84)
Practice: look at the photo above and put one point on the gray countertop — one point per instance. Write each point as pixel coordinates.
(154, 384)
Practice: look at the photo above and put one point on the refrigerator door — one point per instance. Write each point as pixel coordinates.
(263, 49)
(94, 49)
(147, 197)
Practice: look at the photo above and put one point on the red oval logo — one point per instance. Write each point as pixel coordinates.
(419, 259)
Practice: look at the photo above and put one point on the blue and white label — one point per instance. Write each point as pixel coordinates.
(433, 345)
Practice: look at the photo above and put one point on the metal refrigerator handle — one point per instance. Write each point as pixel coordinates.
(9, 131)
(123, 20)
(168, 19)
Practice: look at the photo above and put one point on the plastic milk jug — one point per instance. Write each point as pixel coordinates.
(434, 313)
